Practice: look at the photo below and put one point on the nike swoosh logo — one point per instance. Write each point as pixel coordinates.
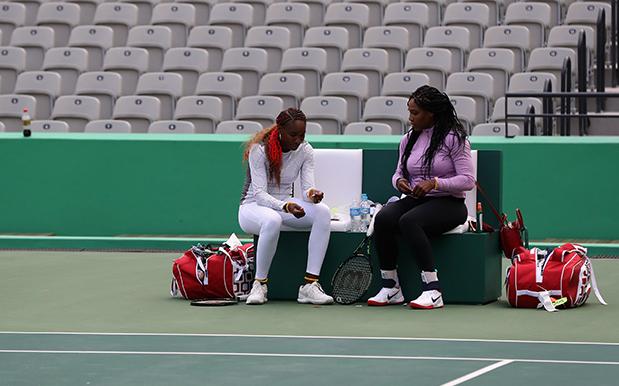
(392, 296)
(434, 300)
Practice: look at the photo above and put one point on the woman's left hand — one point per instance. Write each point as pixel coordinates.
(423, 188)
(316, 195)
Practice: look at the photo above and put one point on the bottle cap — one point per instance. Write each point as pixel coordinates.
(25, 109)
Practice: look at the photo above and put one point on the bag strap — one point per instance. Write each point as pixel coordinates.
(485, 196)
(594, 284)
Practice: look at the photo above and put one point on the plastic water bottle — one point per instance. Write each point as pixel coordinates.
(355, 217)
(25, 122)
(365, 212)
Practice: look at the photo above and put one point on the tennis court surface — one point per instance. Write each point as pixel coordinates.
(101, 318)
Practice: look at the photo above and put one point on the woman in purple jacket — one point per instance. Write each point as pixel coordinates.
(434, 171)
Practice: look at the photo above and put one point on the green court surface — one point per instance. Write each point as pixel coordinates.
(101, 318)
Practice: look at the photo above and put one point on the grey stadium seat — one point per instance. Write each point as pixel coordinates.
(43, 85)
(313, 128)
(500, 63)
(310, 62)
(87, 9)
(514, 37)
(238, 127)
(69, 62)
(120, 17)
(139, 111)
(228, 86)
(415, 17)
(155, 39)
(537, 17)
(467, 110)
(106, 86)
(179, 17)
(49, 126)
(145, 9)
(35, 40)
(392, 111)
(368, 128)
(532, 82)
(518, 106)
(550, 59)
(334, 40)
(188, 62)
(394, 40)
(353, 87)
(495, 129)
(354, 17)
(129, 63)
(76, 110)
(250, 63)
(317, 10)
(237, 16)
(108, 126)
(376, 8)
(274, 40)
(204, 112)
(95, 39)
(171, 127)
(371, 62)
(437, 63)
(12, 15)
(12, 62)
(456, 39)
(404, 83)
(294, 16)
(260, 108)
(61, 17)
(480, 86)
(215, 39)
(32, 8)
(329, 112)
(203, 9)
(259, 7)
(475, 17)
(11, 107)
(586, 13)
(288, 86)
(165, 86)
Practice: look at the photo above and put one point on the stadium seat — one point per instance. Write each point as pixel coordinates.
(108, 126)
(456, 39)
(43, 85)
(274, 40)
(310, 62)
(515, 38)
(165, 86)
(145, 9)
(318, 8)
(523, 82)
(12, 15)
(227, 86)
(567, 36)
(95, 39)
(334, 40)
(480, 86)
(106, 86)
(129, 63)
(500, 63)
(368, 128)
(394, 40)
(392, 111)
(437, 63)
(354, 17)
(415, 17)
(237, 16)
(537, 17)
(376, 10)
(353, 87)
(496, 7)
(328, 112)
(215, 39)
(139, 111)
(87, 9)
(404, 83)
(155, 39)
(313, 128)
(204, 112)
(259, 108)
(494, 129)
(49, 126)
(586, 13)
(371, 62)
(188, 62)
(475, 17)
(76, 110)
(238, 127)
(11, 107)
(203, 9)
(519, 106)
(69, 62)
(12, 62)
(467, 110)
(289, 87)
(61, 17)
(250, 63)
(294, 16)
(120, 17)
(260, 7)
(178, 17)
(32, 8)
(551, 59)
(35, 40)
(171, 127)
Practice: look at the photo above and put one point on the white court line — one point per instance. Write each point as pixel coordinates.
(395, 338)
(290, 355)
(477, 373)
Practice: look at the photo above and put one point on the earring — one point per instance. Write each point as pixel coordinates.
(280, 136)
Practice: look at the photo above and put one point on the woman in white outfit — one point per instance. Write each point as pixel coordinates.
(276, 157)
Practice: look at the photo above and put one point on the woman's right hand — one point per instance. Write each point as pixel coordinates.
(295, 209)
(404, 186)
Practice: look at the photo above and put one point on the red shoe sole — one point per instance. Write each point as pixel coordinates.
(416, 306)
(378, 304)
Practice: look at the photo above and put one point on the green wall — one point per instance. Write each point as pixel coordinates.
(133, 184)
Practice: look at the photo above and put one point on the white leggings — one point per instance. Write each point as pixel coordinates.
(266, 223)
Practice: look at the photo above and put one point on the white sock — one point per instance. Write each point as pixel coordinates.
(429, 277)
(390, 278)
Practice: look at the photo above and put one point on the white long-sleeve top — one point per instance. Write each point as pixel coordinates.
(261, 189)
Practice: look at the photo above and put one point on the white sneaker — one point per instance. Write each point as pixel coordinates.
(428, 300)
(387, 296)
(314, 294)
(258, 293)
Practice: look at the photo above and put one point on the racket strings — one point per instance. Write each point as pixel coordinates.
(352, 280)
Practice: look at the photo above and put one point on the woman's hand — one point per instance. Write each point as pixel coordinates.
(315, 195)
(404, 187)
(295, 209)
(423, 188)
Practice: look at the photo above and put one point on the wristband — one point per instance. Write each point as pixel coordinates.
(435, 183)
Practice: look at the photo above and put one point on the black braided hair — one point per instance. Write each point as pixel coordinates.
(446, 120)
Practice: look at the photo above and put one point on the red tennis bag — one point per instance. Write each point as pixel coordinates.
(210, 272)
(537, 279)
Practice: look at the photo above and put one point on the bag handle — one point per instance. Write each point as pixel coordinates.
(481, 190)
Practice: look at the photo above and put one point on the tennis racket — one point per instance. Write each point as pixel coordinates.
(213, 302)
(354, 275)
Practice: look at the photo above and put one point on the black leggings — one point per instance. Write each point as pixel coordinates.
(415, 220)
